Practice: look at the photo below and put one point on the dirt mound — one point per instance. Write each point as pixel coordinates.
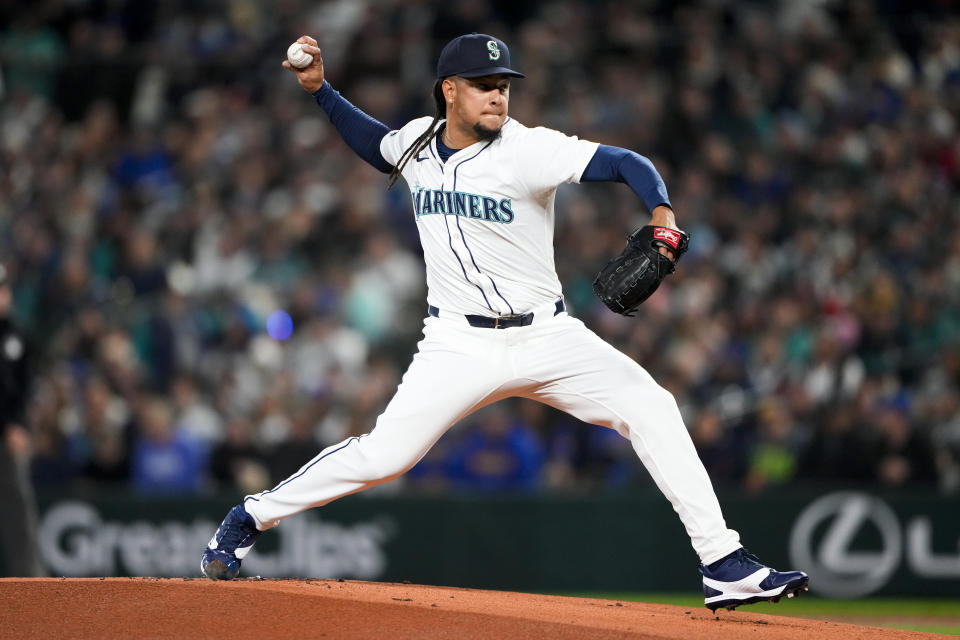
(82, 608)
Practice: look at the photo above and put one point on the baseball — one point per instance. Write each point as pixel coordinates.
(297, 56)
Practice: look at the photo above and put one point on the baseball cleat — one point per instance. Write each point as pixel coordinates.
(740, 579)
(229, 545)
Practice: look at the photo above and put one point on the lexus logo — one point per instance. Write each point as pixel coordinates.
(824, 535)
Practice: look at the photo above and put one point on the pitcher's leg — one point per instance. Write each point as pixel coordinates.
(446, 381)
(602, 386)
(453, 373)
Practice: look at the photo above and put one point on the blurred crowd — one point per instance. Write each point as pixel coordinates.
(166, 186)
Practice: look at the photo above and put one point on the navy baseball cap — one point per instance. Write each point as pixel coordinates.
(474, 55)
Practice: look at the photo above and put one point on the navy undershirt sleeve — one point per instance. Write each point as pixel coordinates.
(613, 164)
(361, 132)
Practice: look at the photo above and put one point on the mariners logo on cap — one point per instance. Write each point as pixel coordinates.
(494, 49)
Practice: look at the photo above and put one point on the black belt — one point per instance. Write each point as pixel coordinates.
(500, 322)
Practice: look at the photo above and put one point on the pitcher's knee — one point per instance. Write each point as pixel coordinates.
(663, 399)
(654, 406)
(378, 465)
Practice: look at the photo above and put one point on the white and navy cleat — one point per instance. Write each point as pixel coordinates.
(230, 544)
(739, 579)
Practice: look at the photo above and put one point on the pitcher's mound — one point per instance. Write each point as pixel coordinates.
(88, 608)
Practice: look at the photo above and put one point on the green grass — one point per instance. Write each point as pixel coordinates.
(947, 611)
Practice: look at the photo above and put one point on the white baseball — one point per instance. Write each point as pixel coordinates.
(297, 56)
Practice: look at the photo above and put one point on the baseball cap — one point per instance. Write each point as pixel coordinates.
(474, 55)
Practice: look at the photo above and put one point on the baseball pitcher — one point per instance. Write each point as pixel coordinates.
(482, 189)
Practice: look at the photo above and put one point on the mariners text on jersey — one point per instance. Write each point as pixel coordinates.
(467, 205)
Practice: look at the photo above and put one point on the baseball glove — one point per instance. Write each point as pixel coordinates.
(635, 274)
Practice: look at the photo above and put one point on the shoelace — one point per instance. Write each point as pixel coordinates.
(741, 555)
(744, 555)
(235, 534)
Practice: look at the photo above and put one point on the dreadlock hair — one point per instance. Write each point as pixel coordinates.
(424, 140)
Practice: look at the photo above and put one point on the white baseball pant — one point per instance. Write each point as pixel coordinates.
(555, 360)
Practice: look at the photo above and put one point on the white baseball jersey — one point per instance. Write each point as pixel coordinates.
(486, 215)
